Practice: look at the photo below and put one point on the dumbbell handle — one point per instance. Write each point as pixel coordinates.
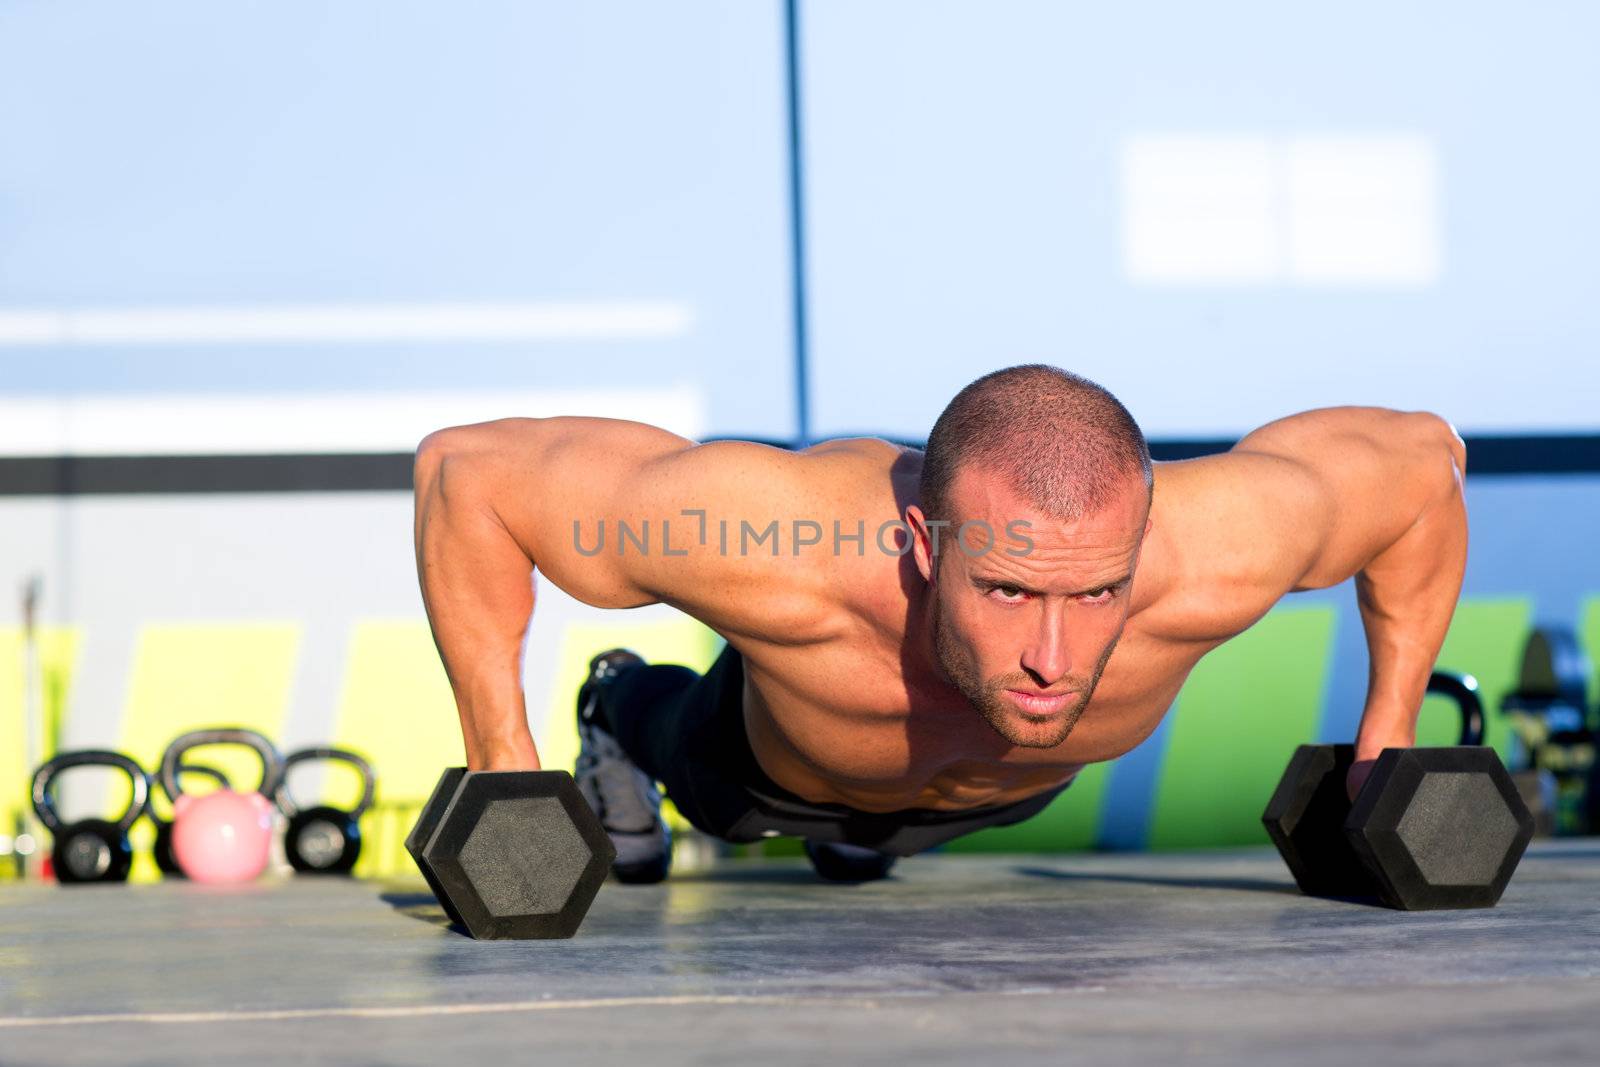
(1463, 689)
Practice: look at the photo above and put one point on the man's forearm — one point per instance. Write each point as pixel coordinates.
(1407, 595)
(477, 587)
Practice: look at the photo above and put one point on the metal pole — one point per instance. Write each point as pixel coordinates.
(797, 226)
(33, 724)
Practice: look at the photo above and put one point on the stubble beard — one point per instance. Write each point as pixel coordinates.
(1002, 717)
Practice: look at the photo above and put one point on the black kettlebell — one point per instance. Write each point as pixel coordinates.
(1463, 689)
(90, 850)
(162, 852)
(324, 839)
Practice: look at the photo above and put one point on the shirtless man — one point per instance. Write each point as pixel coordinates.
(891, 679)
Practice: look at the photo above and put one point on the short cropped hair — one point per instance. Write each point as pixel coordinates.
(1064, 443)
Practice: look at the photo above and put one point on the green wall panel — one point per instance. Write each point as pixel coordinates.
(1243, 710)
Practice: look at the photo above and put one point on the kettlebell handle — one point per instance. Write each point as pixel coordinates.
(44, 804)
(271, 761)
(369, 779)
(1463, 689)
(205, 772)
(186, 768)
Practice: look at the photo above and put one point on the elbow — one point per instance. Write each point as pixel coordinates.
(1458, 451)
(1439, 436)
(429, 458)
(470, 454)
(451, 440)
(435, 452)
(1445, 432)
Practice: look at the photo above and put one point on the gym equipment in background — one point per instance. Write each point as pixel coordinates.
(222, 836)
(90, 850)
(324, 839)
(162, 850)
(1554, 739)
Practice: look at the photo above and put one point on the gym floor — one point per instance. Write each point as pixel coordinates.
(1102, 958)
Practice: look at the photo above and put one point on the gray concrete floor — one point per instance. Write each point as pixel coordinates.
(1213, 957)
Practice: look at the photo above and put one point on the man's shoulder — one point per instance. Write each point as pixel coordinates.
(1224, 542)
(861, 477)
(779, 546)
(873, 452)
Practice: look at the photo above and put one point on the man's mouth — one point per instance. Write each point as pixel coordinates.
(1040, 704)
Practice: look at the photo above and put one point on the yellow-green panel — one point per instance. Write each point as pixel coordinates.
(1243, 710)
(188, 676)
(1589, 634)
(398, 711)
(1485, 640)
(675, 640)
(57, 650)
(396, 708)
(1068, 824)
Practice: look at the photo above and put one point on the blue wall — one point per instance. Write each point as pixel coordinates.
(970, 181)
(971, 200)
(179, 153)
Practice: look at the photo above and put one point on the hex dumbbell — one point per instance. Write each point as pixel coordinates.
(511, 854)
(1431, 827)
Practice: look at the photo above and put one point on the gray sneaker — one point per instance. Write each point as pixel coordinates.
(624, 797)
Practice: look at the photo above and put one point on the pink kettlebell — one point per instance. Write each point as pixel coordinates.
(221, 836)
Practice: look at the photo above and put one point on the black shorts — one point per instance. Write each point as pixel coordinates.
(688, 731)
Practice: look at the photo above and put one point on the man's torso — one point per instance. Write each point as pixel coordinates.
(858, 714)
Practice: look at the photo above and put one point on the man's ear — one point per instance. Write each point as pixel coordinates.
(921, 542)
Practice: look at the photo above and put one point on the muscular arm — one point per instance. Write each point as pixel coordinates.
(1381, 498)
(496, 503)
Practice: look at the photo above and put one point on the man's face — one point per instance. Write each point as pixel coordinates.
(1026, 637)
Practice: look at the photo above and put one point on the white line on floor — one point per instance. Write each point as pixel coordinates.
(390, 1012)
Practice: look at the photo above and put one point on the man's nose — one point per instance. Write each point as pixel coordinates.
(1047, 656)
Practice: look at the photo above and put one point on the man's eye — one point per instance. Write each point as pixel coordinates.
(1100, 595)
(1008, 592)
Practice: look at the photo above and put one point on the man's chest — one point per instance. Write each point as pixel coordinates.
(861, 722)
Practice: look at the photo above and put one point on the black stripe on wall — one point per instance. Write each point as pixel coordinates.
(84, 475)
(391, 471)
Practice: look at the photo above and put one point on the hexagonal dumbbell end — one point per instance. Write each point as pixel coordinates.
(1440, 827)
(427, 822)
(1305, 819)
(511, 854)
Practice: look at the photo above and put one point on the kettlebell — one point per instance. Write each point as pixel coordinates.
(324, 839)
(90, 850)
(162, 852)
(222, 836)
(1463, 689)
